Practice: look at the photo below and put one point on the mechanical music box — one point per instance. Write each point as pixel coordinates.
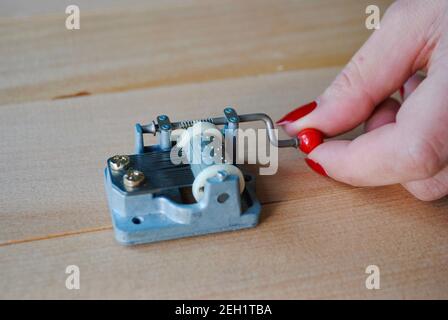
(186, 184)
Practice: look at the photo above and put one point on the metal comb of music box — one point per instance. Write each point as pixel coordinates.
(152, 198)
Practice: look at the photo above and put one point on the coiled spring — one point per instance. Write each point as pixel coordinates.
(189, 123)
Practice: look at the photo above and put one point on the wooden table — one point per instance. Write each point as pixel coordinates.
(69, 100)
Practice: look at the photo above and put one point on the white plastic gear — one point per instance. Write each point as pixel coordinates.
(209, 172)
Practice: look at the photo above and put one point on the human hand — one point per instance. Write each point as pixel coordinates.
(405, 143)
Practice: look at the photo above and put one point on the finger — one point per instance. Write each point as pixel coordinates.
(413, 148)
(411, 85)
(385, 113)
(390, 56)
(430, 189)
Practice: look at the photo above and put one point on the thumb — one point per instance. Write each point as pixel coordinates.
(409, 149)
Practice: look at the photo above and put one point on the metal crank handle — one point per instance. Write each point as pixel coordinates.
(306, 139)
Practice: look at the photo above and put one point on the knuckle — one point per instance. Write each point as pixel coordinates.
(420, 194)
(351, 81)
(422, 159)
(349, 77)
(427, 190)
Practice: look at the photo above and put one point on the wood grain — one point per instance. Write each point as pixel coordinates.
(149, 45)
(323, 233)
(59, 148)
(68, 100)
(315, 247)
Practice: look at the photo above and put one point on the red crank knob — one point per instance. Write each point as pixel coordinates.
(309, 139)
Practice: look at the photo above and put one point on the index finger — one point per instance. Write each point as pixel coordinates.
(415, 147)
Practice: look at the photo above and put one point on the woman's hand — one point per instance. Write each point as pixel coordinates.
(405, 143)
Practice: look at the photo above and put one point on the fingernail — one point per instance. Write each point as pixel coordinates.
(402, 92)
(316, 167)
(297, 113)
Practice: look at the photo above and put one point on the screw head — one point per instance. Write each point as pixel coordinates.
(162, 117)
(221, 175)
(233, 119)
(165, 127)
(133, 178)
(228, 110)
(119, 162)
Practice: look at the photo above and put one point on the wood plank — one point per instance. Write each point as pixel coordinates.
(53, 153)
(172, 42)
(24, 8)
(315, 247)
(68, 100)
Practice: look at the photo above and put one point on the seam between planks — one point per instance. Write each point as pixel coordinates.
(55, 235)
(88, 230)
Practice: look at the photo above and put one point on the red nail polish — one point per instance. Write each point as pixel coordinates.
(297, 113)
(309, 139)
(316, 167)
(402, 92)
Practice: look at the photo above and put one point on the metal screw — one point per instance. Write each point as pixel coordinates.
(233, 119)
(165, 127)
(228, 110)
(133, 178)
(221, 175)
(162, 117)
(119, 162)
